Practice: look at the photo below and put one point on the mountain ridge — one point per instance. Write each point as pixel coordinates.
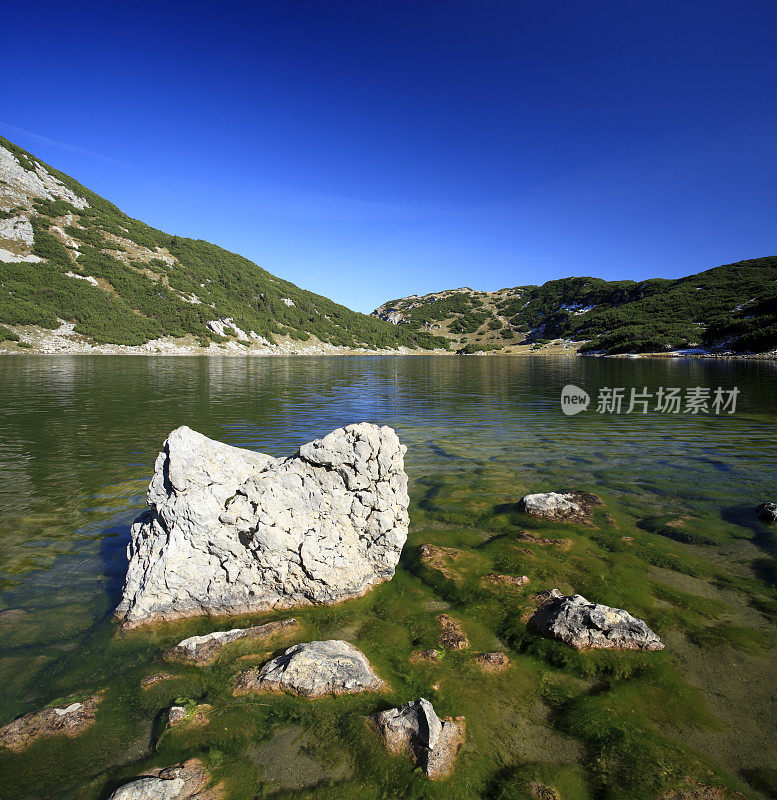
(77, 274)
(730, 308)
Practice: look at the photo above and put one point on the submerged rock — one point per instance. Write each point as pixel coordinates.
(525, 536)
(185, 781)
(313, 669)
(414, 729)
(542, 791)
(424, 657)
(438, 558)
(233, 531)
(153, 680)
(493, 662)
(452, 636)
(569, 507)
(70, 720)
(577, 622)
(194, 713)
(767, 513)
(496, 579)
(202, 649)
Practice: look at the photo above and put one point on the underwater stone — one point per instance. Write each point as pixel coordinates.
(452, 636)
(767, 513)
(579, 623)
(414, 729)
(313, 669)
(70, 720)
(493, 662)
(231, 531)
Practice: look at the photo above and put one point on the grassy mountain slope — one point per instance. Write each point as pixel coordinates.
(67, 254)
(732, 307)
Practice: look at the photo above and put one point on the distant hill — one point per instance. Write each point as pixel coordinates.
(71, 261)
(728, 308)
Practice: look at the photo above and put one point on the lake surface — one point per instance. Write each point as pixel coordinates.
(79, 435)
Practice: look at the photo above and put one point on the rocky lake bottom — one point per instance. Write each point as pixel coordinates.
(675, 542)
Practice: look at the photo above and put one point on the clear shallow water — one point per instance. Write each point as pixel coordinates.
(79, 435)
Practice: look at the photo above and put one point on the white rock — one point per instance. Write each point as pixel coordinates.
(7, 257)
(17, 229)
(313, 669)
(87, 278)
(233, 531)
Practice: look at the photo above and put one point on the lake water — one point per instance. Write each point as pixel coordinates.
(79, 435)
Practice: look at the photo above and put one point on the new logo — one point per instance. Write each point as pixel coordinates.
(574, 400)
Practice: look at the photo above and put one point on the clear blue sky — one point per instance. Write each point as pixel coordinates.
(368, 150)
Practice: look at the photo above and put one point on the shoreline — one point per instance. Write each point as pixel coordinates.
(64, 341)
(350, 353)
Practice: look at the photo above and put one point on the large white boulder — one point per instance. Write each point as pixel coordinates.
(231, 531)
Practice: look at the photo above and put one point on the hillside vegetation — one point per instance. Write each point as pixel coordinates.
(67, 254)
(728, 308)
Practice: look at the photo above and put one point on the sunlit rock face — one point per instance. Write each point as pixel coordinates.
(231, 531)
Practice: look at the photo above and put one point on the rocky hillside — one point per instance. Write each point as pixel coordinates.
(732, 308)
(78, 274)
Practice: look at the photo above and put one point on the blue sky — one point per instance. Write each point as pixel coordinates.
(369, 150)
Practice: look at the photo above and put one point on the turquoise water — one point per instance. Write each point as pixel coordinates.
(78, 438)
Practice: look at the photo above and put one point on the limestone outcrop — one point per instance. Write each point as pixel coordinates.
(233, 531)
(414, 729)
(579, 623)
(313, 669)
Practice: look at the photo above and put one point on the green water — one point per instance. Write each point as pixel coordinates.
(78, 437)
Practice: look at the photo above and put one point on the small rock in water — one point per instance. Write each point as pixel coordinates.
(152, 680)
(313, 669)
(414, 729)
(424, 657)
(525, 536)
(577, 622)
(493, 662)
(435, 557)
(569, 507)
(195, 714)
(176, 715)
(506, 580)
(70, 720)
(185, 781)
(541, 791)
(452, 636)
(231, 531)
(767, 513)
(202, 649)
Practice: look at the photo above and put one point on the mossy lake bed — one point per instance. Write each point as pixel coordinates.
(675, 543)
